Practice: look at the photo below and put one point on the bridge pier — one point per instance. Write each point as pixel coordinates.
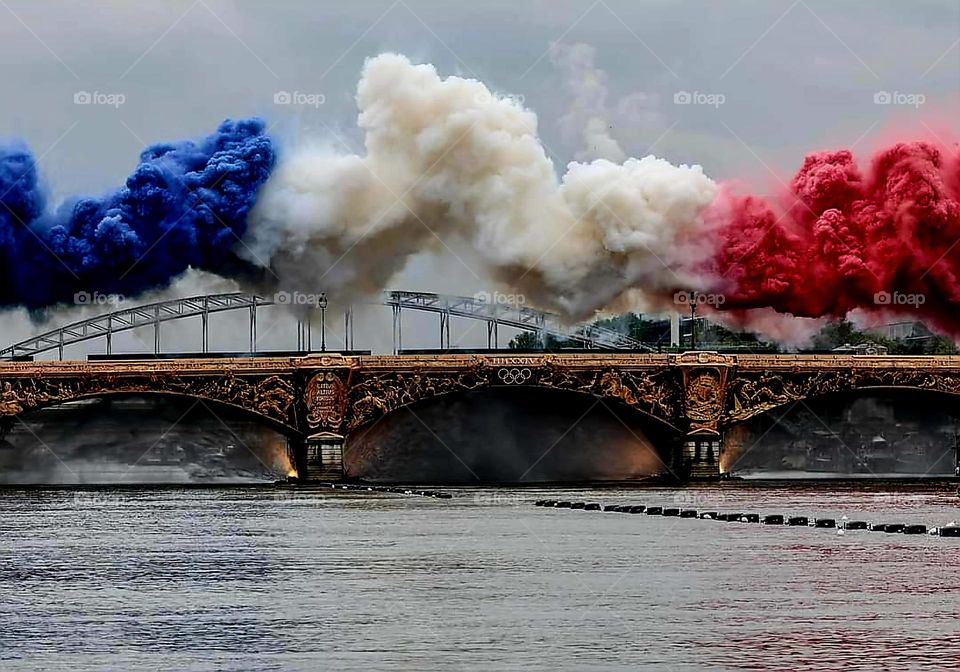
(700, 455)
(322, 458)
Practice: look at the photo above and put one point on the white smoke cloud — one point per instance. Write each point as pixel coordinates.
(588, 116)
(446, 158)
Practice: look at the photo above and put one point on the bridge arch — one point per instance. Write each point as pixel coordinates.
(649, 392)
(269, 400)
(502, 434)
(755, 393)
(874, 430)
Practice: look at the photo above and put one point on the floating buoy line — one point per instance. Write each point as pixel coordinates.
(397, 490)
(949, 530)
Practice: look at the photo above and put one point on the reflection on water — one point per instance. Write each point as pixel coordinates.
(304, 579)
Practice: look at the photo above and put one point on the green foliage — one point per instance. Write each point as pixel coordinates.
(720, 335)
(940, 345)
(634, 326)
(657, 332)
(842, 332)
(527, 340)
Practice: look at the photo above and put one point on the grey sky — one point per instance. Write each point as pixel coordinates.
(795, 75)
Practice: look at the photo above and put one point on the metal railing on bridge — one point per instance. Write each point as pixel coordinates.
(154, 314)
(497, 314)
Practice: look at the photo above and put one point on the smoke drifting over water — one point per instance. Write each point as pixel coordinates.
(139, 440)
(185, 206)
(588, 116)
(844, 239)
(446, 159)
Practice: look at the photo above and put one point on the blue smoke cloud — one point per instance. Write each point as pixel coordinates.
(185, 205)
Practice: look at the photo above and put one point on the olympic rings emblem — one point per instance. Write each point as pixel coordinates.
(514, 376)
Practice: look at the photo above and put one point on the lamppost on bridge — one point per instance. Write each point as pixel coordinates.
(322, 305)
(693, 320)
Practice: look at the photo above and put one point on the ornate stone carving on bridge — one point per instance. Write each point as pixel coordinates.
(752, 393)
(654, 392)
(704, 357)
(703, 399)
(379, 394)
(272, 396)
(326, 399)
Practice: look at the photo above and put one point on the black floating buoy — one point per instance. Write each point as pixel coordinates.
(750, 518)
(733, 517)
(824, 522)
(610, 507)
(855, 525)
(592, 506)
(444, 495)
(577, 505)
(638, 508)
(562, 505)
(950, 531)
(688, 513)
(709, 515)
(654, 510)
(798, 521)
(877, 527)
(895, 528)
(539, 502)
(671, 512)
(772, 519)
(915, 529)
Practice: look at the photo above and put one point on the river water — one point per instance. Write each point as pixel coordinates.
(265, 578)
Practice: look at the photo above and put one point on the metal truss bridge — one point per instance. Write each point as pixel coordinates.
(153, 315)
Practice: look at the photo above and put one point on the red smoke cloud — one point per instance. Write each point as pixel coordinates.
(839, 239)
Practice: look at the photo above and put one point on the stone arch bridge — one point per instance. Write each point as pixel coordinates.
(318, 401)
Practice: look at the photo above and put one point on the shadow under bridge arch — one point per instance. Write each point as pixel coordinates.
(510, 424)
